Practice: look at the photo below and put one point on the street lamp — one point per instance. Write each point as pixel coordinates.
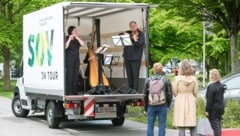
(204, 54)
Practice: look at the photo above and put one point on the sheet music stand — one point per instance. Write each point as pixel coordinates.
(109, 61)
(122, 40)
(100, 50)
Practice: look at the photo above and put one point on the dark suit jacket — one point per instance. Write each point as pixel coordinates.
(134, 52)
(215, 99)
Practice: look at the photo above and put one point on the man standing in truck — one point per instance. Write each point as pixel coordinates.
(133, 56)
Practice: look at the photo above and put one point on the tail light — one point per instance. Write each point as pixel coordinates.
(138, 103)
(71, 105)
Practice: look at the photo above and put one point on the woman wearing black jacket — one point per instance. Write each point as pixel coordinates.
(215, 103)
(72, 45)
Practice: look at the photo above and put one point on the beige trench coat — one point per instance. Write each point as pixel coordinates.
(185, 90)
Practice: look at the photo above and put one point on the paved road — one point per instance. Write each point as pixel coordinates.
(36, 125)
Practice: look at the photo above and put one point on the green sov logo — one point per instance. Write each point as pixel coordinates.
(40, 46)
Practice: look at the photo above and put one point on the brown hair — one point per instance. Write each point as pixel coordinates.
(185, 68)
(157, 68)
(214, 75)
(70, 29)
(134, 22)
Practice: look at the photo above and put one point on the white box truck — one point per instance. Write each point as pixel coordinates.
(41, 87)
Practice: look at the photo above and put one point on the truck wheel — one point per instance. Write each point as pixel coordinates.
(17, 108)
(53, 122)
(118, 121)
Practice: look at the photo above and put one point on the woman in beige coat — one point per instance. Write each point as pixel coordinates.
(185, 87)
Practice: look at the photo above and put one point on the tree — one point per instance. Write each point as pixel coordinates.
(224, 12)
(9, 34)
(11, 12)
(171, 36)
(217, 51)
(227, 14)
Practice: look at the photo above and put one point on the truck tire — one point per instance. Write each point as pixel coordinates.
(17, 108)
(118, 121)
(53, 122)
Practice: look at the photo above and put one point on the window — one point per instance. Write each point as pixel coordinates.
(233, 83)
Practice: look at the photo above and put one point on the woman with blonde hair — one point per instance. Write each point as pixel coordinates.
(185, 87)
(214, 99)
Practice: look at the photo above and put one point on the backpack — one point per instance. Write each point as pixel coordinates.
(156, 92)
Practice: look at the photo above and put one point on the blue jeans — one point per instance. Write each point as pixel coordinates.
(152, 112)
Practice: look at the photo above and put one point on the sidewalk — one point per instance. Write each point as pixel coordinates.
(225, 132)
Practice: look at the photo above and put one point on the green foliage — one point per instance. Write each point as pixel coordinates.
(200, 108)
(169, 122)
(217, 44)
(143, 118)
(108, 0)
(6, 32)
(137, 109)
(223, 14)
(172, 36)
(231, 117)
(11, 24)
(7, 93)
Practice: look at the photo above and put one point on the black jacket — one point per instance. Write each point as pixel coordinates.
(72, 52)
(135, 51)
(168, 90)
(215, 99)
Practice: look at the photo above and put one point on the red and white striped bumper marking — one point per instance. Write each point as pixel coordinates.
(89, 107)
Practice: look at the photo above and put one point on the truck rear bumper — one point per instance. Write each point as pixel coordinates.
(111, 97)
(100, 106)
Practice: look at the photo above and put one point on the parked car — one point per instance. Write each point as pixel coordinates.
(232, 83)
(167, 70)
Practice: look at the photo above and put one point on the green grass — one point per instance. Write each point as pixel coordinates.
(137, 109)
(7, 93)
(143, 119)
(231, 117)
(171, 77)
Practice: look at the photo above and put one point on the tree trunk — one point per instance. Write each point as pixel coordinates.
(6, 77)
(234, 52)
(226, 64)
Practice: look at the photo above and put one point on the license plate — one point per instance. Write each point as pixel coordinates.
(106, 109)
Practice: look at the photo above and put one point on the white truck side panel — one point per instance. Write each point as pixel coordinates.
(43, 51)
